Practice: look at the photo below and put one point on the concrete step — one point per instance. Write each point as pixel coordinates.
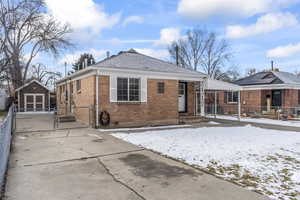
(67, 118)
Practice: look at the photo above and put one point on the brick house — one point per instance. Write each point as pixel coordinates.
(264, 92)
(134, 89)
(33, 97)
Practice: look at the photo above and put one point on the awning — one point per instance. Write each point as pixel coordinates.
(212, 84)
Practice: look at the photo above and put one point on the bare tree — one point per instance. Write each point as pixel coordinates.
(250, 71)
(40, 73)
(201, 50)
(25, 31)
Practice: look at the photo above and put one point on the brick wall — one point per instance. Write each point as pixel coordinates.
(82, 101)
(290, 98)
(159, 109)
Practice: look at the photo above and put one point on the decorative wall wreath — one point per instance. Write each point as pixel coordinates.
(104, 118)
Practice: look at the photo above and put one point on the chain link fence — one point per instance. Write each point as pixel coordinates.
(7, 128)
(272, 112)
(83, 114)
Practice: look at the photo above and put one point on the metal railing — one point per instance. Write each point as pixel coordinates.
(7, 128)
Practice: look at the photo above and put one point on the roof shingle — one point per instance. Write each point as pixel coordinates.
(134, 60)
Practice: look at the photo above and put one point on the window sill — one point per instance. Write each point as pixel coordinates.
(128, 102)
(232, 102)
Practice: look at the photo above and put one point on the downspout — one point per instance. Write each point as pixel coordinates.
(239, 105)
(19, 101)
(49, 108)
(97, 99)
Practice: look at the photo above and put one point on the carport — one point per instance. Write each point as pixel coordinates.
(213, 86)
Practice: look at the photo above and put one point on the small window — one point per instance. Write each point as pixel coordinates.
(299, 97)
(78, 85)
(128, 89)
(160, 87)
(71, 88)
(232, 97)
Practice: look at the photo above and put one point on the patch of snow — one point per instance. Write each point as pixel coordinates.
(260, 120)
(143, 128)
(33, 113)
(272, 157)
(215, 123)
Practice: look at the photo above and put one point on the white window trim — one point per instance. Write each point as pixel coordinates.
(128, 92)
(34, 100)
(231, 102)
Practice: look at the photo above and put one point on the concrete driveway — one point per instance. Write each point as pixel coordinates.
(83, 163)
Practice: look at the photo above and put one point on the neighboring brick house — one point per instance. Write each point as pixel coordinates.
(264, 92)
(133, 88)
(33, 97)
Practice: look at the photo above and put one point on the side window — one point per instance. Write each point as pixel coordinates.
(78, 85)
(232, 97)
(160, 87)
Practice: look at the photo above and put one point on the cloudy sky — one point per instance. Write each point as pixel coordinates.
(258, 30)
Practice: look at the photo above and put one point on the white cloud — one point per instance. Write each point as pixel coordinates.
(133, 19)
(264, 24)
(284, 51)
(82, 14)
(199, 9)
(160, 53)
(168, 35)
(72, 57)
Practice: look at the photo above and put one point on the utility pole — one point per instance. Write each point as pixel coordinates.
(65, 69)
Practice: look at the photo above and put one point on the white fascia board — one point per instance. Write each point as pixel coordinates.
(272, 87)
(76, 74)
(150, 74)
(129, 72)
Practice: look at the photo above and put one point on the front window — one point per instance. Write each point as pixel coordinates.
(232, 97)
(128, 89)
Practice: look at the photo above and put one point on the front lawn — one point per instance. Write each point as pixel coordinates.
(267, 161)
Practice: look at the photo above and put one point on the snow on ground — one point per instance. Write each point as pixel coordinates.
(35, 113)
(214, 123)
(264, 160)
(260, 120)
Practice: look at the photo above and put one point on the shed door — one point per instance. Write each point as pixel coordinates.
(39, 103)
(34, 102)
(29, 103)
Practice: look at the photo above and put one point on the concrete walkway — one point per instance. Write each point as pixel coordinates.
(83, 163)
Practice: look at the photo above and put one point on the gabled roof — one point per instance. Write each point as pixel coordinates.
(133, 60)
(27, 84)
(213, 84)
(267, 78)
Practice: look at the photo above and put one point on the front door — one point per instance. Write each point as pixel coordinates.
(198, 103)
(276, 98)
(182, 97)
